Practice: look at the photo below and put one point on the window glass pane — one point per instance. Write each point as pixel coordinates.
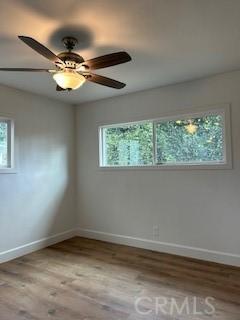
(128, 145)
(190, 140)
(3, 143)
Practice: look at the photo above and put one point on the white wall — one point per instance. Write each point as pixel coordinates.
(39, 200)
(198, 211)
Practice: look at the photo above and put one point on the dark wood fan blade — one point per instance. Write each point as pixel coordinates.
(41, 49)
(105, 81)
(108, 60)
(24, 69)
(58, 88)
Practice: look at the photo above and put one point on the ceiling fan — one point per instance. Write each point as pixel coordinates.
(71, 69)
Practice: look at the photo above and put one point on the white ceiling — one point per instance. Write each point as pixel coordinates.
(169, 40)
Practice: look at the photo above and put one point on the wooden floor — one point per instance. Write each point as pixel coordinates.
(87, 279)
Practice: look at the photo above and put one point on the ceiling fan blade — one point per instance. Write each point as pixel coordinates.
(58, 88)
(108, 60)
(105, 81)
(26, 70)
(41, 49)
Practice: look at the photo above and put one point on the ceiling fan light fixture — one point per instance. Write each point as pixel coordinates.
(69, 79)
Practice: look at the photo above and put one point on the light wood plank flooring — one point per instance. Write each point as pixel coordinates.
(86, 279)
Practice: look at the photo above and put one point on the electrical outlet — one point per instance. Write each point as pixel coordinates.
(156, 232)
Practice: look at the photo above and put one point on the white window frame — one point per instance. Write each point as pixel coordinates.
(102, 144)
(226, 163)
(11, 163)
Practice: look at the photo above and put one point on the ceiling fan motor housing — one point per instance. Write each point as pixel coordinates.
(71, 59)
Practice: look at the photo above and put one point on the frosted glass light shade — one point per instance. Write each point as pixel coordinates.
(69, 79)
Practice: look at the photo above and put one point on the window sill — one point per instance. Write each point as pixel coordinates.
(8, 171)
(221, 166)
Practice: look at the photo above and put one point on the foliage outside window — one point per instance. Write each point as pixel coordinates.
(188, 141)
(184, 140)
(128, 145)
(5, 143)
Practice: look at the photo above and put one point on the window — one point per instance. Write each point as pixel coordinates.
(128, 145)
(194, 140)
(190, 139)
(6, 144)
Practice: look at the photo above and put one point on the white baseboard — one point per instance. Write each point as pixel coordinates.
(36, 245)
(181, 250)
